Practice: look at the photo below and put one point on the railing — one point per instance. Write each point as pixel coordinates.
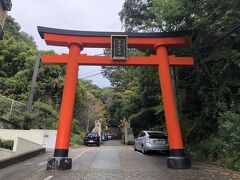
(10, 107)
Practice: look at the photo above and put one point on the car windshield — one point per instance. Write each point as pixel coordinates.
(155, 135)
(91, 134)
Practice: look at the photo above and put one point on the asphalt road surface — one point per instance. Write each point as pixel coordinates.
(113, 161)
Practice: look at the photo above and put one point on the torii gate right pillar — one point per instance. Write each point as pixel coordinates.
(177, 158)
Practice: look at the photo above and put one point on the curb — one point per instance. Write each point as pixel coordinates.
(20, 157)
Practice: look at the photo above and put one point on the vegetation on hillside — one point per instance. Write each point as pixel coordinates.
(208, 94)
(17, 56)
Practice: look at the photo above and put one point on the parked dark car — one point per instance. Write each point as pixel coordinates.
(104, 137)
(92, 138)
(109, 136)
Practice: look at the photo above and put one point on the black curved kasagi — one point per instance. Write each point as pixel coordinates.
(42, 30)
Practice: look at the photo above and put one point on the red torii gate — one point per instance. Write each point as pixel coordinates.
(77, 40)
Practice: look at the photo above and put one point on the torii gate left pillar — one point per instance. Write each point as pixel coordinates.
(60, 159)
(77, 40)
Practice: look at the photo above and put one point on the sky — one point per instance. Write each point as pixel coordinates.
(85, 15)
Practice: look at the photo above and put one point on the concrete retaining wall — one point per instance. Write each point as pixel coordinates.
(20, 157)
(27, 141)
(49, 138)
(5, 153)
(23, 145)
(12, 134)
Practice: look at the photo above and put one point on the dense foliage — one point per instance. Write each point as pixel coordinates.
(17, 56)
(208, 94)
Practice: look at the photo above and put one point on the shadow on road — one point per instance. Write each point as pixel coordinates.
(157, 153)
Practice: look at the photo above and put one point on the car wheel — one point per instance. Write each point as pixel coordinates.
(166, 152)
(134, 148)
(143, 150)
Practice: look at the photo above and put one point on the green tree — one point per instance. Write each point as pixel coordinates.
(204, 92)
(17, 57)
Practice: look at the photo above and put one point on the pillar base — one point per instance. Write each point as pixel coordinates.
(60, 153)
(59, 163)
(180, 162)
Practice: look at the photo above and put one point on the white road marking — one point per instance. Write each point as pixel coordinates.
(42, 163)
(82, 154)
(49, 177)
(139, 153)
(136, 151)
(28, 163)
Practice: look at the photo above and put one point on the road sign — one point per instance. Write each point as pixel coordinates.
(119, 47)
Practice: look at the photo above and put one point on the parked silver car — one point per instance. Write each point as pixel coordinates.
(151, 141)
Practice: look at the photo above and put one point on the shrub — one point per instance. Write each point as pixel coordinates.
(223, 147)
(6, 144)
(42, 116)
(77, 138)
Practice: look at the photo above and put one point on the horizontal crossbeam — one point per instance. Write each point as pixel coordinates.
(90, 39)
(107, 61)
(105, 42)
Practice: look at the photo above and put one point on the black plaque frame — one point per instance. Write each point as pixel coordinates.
(119, 46)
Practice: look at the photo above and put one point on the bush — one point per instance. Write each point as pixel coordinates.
(223, 147)
(229, 133)
(42, 116)
(6, 144)
(77, 138)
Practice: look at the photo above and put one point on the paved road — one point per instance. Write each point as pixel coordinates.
(112, 162)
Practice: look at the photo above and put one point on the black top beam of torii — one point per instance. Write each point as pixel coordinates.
(43, 30)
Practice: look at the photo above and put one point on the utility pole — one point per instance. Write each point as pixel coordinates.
(34, 80)
(87, 125)
(5, 5)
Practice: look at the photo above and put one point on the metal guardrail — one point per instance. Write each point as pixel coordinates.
(10, 107)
